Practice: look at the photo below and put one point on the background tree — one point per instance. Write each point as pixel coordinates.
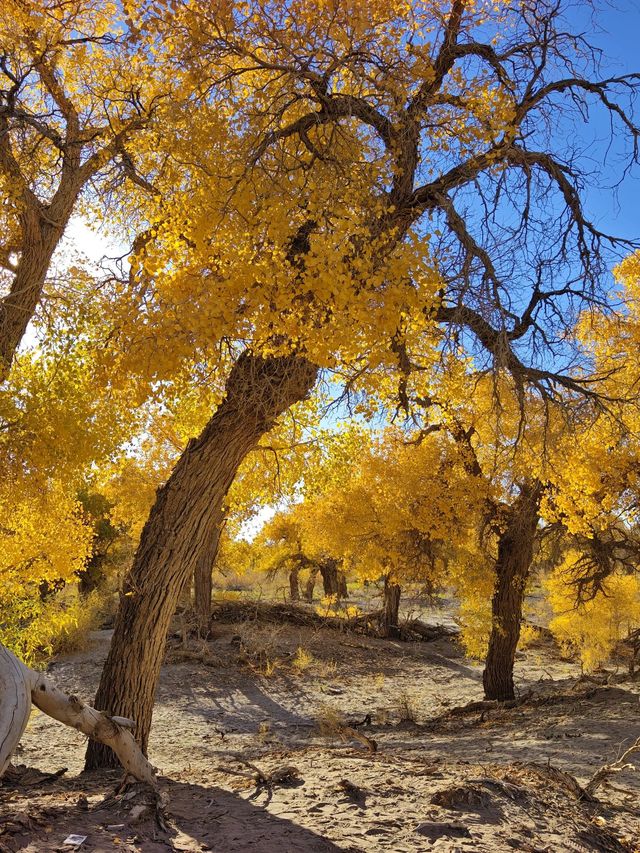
(72, 111)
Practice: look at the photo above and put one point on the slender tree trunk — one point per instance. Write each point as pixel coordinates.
(187, 513)
(294, 587)
(310, 585)
(202, 583)
(18, 306)
(515, 553)
(391, 609)
(343, 591)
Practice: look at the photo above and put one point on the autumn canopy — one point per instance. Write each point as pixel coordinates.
(352, 281)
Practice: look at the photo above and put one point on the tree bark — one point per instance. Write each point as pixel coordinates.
(188, 511)
(329, 572)
(20, 686)
(391, 609)
(334, 581)
(294, 587)
(310, 585)
(343, 591)
(202, 582)
(515, 553)
(39, 241)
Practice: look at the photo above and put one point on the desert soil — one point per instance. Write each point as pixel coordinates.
(488, 779)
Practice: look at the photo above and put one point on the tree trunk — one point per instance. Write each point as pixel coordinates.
(311, 582)
(294, 588)
(20, 686)
(515, 553)
(188, 511)
(42, 227)
(202, 583)
(343, 591)
(391, 609)
(329, 572)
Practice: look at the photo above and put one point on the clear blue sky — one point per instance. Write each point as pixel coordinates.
(617, 34)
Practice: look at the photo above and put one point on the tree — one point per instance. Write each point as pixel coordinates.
(187, 513)
(405, 509)
(58, 424)
(353, 156)
(513, 562)
(71, 110)
(270, 474)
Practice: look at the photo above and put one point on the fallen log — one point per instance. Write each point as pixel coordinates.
(368, 623)
(20, 687)
(427, 633)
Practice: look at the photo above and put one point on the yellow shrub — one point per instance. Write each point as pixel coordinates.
(593, 628)
(58, 625)
(528, 634)
(303, 659)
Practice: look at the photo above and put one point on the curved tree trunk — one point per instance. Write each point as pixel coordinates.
(391, 609)
(20, 686)
(40, 239)
(188, 511)
(15, 704)
(515, 553)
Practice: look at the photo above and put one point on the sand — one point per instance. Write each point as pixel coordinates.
(489, 779)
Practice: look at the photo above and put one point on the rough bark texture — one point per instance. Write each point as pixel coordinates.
(334, 581)
(202, 583)
(188, 510)
(310, 585)
(391, 609)
(40, 238)
(343, 591)
(20, 686)
(294, 588)
(515, 553)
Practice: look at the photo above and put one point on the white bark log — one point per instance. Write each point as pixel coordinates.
(20, 686)
(15, 705)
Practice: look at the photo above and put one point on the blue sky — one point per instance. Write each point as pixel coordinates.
(618, 36)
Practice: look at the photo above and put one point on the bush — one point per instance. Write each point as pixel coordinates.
(593, 628)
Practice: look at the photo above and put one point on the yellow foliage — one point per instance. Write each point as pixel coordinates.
(302, 660)
(591, 629)
(59, 625)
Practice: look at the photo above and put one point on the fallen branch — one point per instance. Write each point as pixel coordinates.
(21, 686)
(285, 774)
(332, 724)
(611, 769)
(347, 732)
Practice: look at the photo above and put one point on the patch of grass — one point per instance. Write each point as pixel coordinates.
(405, 708)
(303, 660)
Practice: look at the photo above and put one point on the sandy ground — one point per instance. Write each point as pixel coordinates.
(485, 780)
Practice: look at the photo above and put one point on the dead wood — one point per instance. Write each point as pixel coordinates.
(416, 629)
(368, 624)
(607, 770)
